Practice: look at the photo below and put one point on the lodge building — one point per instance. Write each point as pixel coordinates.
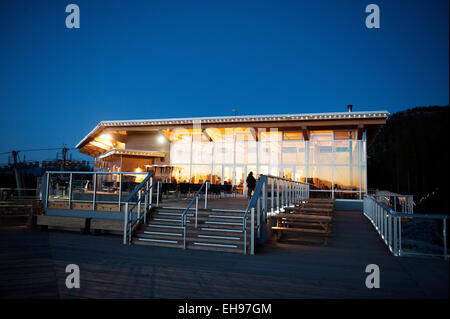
(326, 150)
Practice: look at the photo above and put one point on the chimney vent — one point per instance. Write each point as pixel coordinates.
(349, 107)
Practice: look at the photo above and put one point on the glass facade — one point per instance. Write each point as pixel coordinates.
(333, 162)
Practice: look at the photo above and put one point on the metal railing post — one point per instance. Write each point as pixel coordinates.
(252, 232)
(157, 193)
(196, 211)
(278, 196)
(120, 191)
(184, 232)
(151, 191)
(70, 191)
(395, 236)
(206, 195)
(400, 236)
(264, 208)
(139, 203)
(48, 190)
(95, 191)
(146, 202)
(125, 225)
(271, 195)
(258, 215)
(390, 231)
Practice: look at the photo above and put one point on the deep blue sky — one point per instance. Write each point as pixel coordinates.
(157, 59)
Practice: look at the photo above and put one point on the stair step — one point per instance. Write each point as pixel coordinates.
(159, 236)
(158, 244)
(238, 250)
(218, 237)
(191, 218)
(161, 233)
(216, 245)
(163, 226)
(168, 219)
(229, 212)
(223, 216)
(223, 223)
(171, 213)
(167, 241)
(222, 230)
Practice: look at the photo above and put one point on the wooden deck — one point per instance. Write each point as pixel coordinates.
(32, 265)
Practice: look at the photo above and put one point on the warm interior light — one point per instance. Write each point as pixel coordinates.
(161, 139)
(106, 137)
(139, 177)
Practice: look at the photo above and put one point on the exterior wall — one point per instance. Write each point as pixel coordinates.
(148, 141)
(334, 165)
(332, 161)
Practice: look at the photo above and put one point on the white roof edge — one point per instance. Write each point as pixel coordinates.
(243, 117)
(317, 116)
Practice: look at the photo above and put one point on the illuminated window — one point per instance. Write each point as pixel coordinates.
(292, 136)
(321, 135)
(344, 135)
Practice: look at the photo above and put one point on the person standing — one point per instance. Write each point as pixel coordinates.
(251, 184)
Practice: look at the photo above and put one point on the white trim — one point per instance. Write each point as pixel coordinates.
(240, 118)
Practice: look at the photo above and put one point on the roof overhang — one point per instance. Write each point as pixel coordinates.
(315, 119)
(128, 152)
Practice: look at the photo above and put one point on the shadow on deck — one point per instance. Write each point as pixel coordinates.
(32, 264)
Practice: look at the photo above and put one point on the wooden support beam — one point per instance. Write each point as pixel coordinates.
(360, 131)
(305, 132)
(254, 132)
(207, 135)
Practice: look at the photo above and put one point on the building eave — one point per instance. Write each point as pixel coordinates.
(235, 119)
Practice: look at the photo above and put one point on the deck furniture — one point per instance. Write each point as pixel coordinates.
(98, 225)
(302, 223)
(63, 222)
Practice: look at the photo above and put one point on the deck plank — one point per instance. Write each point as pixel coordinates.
(32, 265)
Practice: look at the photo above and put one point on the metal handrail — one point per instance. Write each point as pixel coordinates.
(183, 216)
(406, 201)
(290, 193)
(46, 189)
(138, 187)
(387, 223)
(129, 222)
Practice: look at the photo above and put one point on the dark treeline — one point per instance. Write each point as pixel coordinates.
(410, 156)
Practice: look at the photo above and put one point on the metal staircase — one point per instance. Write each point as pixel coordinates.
(210, 229)
(216, 229)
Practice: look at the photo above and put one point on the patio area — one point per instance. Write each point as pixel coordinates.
(32, 265)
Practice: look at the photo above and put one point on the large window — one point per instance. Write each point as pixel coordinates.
(332, 162)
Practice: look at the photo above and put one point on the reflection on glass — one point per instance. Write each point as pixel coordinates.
(346, 178)
(321, 135)
(217, 174)
(200, 173)
(287, 172)
(320, 177)
(263, 169)
(300, 173)
(202, 152)
(293, 152)
(344, 134)
(223, 155)
(320, 152)
(227, 174)
(240, 179)
(181, 173)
